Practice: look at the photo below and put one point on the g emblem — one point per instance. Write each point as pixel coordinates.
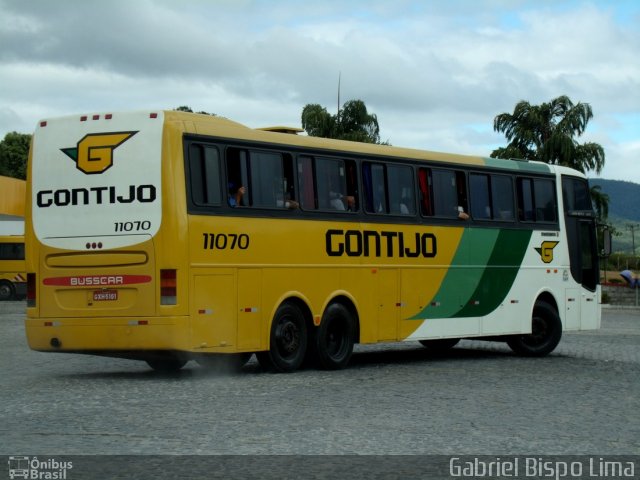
(546, 251)
(94, 153)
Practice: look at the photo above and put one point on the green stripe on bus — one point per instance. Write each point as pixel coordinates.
(498, 277)
(464, 274)
(481, 274)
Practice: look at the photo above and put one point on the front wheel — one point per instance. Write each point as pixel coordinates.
(546, 331)
(287, 341)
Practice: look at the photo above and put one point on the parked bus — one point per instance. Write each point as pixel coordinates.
(168, 236)
(13, 275)
(13, 278)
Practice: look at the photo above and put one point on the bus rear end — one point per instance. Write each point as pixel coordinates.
(95, 209)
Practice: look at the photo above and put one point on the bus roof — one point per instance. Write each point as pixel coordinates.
(222, 127)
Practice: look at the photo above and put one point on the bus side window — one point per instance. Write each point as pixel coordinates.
(545, 200)
(461, 189)
(353, 198)
(491, 197)
(290, 197)
(536, 200)
(401, 190)
(237, 177)
(204, 171)
(267, 180)
(327, 184)
(449, 193)
(308, 195)
(374, 178)
(479, 189)
(502, 197)
(525, 199)
(331, 178)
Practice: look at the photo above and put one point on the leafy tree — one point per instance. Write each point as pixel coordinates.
(185, 108)
(14, 152)
(548, 132)
(353, 122)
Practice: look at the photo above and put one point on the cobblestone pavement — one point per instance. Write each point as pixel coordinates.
(479, 398)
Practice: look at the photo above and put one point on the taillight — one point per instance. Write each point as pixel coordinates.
(168, 287)
(31, 289)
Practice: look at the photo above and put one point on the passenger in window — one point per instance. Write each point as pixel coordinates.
(285, 199)
(341, 202)
(291, 204)
(236, 192)
(462, 215)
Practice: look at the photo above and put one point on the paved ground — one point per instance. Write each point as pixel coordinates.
(393, 399)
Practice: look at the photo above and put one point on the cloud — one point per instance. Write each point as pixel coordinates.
(435, 73)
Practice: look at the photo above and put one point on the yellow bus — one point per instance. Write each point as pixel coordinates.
(13, 275)
(168, 236)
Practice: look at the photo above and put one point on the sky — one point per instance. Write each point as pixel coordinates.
(435, 72)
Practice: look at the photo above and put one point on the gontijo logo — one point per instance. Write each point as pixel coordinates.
(94, 153)
(546, 251)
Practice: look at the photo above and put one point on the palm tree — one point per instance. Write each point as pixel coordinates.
(547, 133)
(600, 203)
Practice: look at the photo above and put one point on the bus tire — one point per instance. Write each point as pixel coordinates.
(546, 331)
(334, 339)
(168, 363)
(287, 340)
(440, 344)
(7, 290)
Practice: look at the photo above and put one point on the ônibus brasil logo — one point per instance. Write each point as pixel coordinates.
(94, 153)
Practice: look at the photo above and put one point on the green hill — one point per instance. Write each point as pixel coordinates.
(624, 210)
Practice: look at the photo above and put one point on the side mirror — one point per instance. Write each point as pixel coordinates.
(605, 249)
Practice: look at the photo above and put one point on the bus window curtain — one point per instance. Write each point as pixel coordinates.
(425, 194)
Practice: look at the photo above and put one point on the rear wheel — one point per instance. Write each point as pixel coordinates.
(546, 331)
(334, 339)
(6, 290)
(287, 341)
(440, 344)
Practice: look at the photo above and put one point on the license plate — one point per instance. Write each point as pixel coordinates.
(105, 295)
